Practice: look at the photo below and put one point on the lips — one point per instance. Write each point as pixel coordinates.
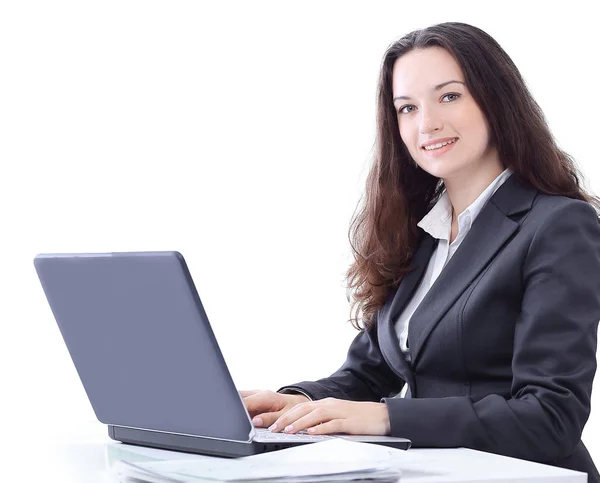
(439, 152)
(438, 141)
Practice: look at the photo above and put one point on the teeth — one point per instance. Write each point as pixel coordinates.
(438, 145)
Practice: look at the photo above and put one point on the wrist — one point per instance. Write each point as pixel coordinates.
(385, 419)
(294, 391)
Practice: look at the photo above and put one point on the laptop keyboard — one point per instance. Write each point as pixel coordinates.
(264, 435)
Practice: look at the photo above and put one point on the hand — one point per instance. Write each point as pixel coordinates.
(266, 406)
(331, 415)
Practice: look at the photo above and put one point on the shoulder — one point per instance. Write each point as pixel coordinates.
(550, 210)
(558, 225)
(546, 204)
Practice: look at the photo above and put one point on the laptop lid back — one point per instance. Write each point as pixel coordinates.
(142, 344)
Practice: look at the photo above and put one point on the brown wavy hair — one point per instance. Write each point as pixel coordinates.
(383, 232)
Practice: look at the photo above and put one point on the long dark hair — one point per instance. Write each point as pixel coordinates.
(383, 232)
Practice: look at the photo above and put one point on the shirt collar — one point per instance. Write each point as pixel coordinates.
(439, 219)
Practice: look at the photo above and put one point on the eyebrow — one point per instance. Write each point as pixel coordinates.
(436, 88)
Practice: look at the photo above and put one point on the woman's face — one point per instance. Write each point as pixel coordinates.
(432, 103)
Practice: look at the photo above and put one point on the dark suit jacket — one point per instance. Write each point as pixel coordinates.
(504, 344)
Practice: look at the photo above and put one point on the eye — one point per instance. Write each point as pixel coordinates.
(402, 111)
(455, 95)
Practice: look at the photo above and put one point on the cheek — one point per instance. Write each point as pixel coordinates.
(477, 124)
(408, 137)
(481, 135)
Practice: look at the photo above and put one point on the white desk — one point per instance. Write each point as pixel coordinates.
(85, 453)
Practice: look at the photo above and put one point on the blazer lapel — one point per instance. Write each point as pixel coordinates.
(490, 231)
(386, 333)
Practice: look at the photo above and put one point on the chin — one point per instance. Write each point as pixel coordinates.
(438, 170)
(444, 168)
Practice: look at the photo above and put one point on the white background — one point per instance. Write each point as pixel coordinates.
(238, 133)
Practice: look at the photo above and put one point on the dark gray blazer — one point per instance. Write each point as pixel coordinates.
(504, 344)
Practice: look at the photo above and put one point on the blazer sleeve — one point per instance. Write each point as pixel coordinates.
(554, 356)
(365, 376)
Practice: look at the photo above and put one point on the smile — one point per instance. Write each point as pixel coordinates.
(439, 145)
(439, 149)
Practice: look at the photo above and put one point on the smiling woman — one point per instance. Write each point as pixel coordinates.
(477, 269)
(442, 118)
(446, 133)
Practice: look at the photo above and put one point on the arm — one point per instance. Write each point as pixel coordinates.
(554, 356)
(365, 376)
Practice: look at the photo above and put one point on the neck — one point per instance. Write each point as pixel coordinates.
(464, 188)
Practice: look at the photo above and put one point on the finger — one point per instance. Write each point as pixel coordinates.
(262, 402)
(265, 420)
(330, 427)
(291, 416)
(314, 417)
(248, 393)
(257, 402)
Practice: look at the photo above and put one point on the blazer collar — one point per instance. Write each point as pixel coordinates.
(491, 230)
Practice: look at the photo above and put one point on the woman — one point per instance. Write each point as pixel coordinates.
(477, 269)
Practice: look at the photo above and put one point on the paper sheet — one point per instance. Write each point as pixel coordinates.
(347, 459)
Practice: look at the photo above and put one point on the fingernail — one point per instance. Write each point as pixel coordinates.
(289, 428)
(257, 421)
(273, 427)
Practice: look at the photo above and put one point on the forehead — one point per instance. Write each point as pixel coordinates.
(418, 71)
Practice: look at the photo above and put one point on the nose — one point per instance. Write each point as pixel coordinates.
(430, 121)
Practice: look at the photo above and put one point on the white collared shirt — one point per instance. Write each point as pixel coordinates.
(438, 223)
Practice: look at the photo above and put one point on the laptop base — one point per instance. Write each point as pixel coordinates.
(192, 444)
(225, 448)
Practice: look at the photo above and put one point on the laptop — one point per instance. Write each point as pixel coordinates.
(147, 357)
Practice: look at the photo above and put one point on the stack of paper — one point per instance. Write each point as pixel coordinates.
(332, 460)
